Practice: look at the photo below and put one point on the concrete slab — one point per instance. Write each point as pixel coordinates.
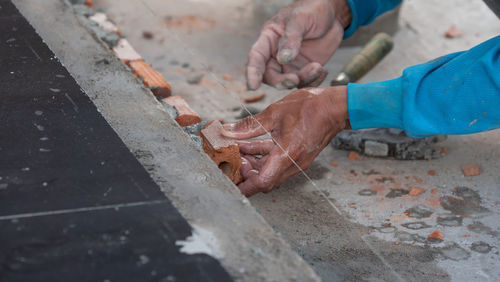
(353, 227)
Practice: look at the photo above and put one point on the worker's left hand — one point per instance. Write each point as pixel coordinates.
(302, 123)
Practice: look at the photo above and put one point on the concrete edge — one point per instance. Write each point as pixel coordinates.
(247, 246)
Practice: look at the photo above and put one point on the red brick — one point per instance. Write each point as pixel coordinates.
(151, 78)
(471, 170)
(186, 115)
(222, 150)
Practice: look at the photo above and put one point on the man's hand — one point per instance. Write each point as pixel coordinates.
(295, 44)
(302, 123)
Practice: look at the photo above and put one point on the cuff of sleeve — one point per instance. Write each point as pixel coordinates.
(351, 29)
(374, 105)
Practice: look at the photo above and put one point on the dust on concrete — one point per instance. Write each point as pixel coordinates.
(334, 245)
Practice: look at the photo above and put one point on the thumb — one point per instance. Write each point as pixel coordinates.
(249, 127)
(291, 40)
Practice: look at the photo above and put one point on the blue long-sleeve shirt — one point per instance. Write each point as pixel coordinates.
(455, 94)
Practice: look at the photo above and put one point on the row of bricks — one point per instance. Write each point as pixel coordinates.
(129, 56)
(223, 151)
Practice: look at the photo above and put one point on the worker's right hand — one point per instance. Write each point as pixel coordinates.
(294, 45)
(301, 125)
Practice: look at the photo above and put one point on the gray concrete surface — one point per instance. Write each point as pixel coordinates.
(245, 244)
(351, 225)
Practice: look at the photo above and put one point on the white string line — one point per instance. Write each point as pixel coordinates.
(207, 69)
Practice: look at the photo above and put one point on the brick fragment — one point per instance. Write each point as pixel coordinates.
(431, 172)
(334, 164)
(227, 77)
(186, 116)
(471, 170)
(436, 234)
(125, 52)
(415, 191)
(151, 78)
(453, 32)
(255, 98)
(89, 3)
(222, 150)
(354, 156)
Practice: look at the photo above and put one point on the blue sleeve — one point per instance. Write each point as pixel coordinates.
(365, 11)
(455, 94)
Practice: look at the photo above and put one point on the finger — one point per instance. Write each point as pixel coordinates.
(312, 75)
(249, 127)
(257, 147)
(250, 186)
(275, 76)
(246, 166)
(290, 42)
(258, 56)
(256, 163)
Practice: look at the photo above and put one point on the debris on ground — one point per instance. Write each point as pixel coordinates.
(147, 35)
(436, 234)
(354, 156)
(453, 32)
(244, 113)
(415, 191)
(227, 77)
(389, 142)
(255, 98)
(431, 172)
(471, 170)
(194, 78)
(334, 164)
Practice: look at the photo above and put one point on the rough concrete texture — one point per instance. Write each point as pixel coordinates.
(389, 142)
(355, 232)
(205, 197)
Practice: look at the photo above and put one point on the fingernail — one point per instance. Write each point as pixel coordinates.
(285, 56)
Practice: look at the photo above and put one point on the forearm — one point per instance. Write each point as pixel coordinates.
(456, 94)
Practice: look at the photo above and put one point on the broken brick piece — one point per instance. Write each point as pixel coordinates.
(453, 32)
(431, 172)
(125, 52)
(222, 150)
(151, 78)
(227, 77)
(436, 234)
(334, 164)
(186, 116)
(255, 98)
(89, 3)
(415, 191)
(354, 156)
(471, 170)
